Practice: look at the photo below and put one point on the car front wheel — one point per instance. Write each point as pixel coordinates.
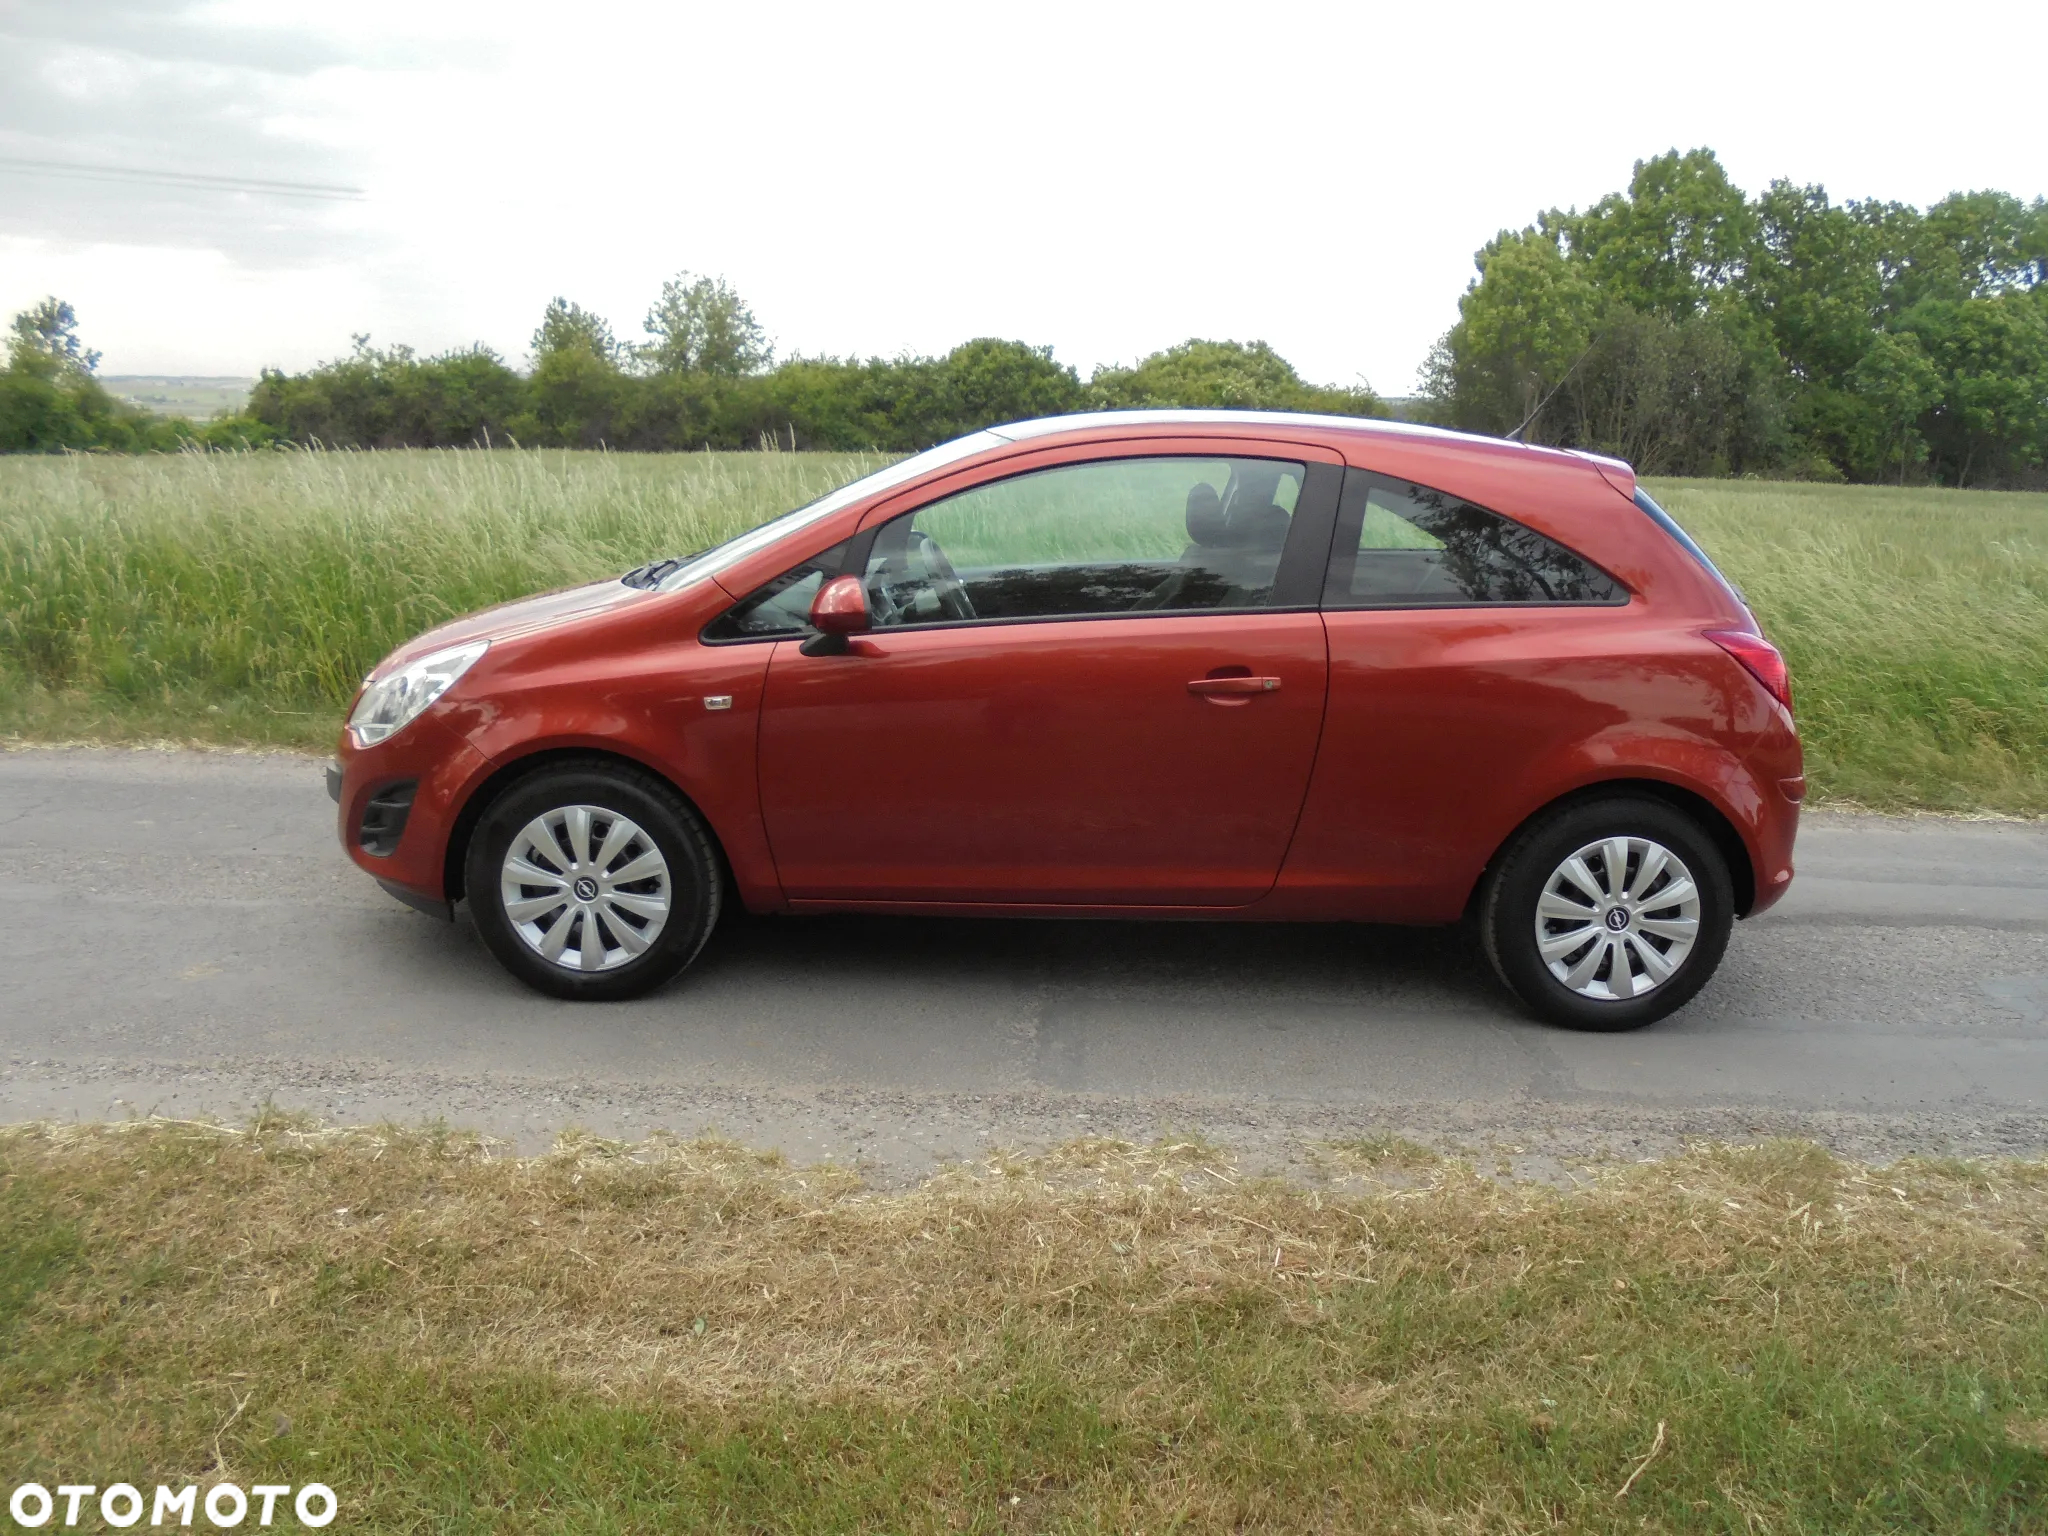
(1608, 914)
(592, 881)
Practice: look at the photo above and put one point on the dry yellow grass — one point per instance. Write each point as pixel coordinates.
(681, 1336)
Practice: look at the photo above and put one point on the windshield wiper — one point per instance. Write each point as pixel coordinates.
(653, 574)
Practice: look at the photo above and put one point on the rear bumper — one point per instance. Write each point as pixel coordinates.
(1772, 826)
(443, 769)
(1772, 858)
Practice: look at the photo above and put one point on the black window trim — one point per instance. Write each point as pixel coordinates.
(1358, 486)
(1304, 558)
(705, 637)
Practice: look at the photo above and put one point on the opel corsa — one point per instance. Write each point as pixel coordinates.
(1161, 664)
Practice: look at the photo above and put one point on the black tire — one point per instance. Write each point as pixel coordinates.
(694, 881)
(1507, 914)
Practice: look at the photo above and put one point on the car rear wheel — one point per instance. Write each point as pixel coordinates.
(592, 881)
(1608, 914)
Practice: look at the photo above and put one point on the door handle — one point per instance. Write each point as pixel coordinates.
(1211, 687)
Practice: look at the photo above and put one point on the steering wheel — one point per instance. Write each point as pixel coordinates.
(945, 584)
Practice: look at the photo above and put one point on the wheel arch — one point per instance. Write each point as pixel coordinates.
(455, 857)
(1711, 819)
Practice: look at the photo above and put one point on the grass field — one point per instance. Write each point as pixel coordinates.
(239, 598)
(1916, 623)
(689, 1337)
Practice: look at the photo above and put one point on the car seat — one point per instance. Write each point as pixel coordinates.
(1234, 553)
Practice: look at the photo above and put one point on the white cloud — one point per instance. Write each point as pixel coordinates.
(1108, 178)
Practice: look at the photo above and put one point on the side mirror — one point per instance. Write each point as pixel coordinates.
(840, 608)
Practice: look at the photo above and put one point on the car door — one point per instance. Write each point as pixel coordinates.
(1089, 683)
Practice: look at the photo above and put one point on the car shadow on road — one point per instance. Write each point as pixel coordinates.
(1343, 1013)
(1422, 969)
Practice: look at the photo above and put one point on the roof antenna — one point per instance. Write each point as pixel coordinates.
(1516, 435)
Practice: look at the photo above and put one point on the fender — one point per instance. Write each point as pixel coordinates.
(683, 711)
(1696, 767)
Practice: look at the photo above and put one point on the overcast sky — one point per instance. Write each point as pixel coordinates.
(1107, 178)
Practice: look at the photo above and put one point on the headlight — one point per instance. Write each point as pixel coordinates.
(391, 703)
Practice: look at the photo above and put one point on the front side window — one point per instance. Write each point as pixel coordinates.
(1151, 535)
(1402, 545)
(695, 568)
(781, 606)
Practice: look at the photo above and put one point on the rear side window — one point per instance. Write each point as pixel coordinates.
(1401, 545)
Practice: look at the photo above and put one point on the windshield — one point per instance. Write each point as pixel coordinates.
(901, 473)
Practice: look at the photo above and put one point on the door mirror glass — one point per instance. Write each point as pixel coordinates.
(840, 608)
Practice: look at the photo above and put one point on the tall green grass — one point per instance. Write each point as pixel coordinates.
(240, 597)
(1916, 624)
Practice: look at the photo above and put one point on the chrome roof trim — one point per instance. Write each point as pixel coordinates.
(1364, 426)
(1017, 431)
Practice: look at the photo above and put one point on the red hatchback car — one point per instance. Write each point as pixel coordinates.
(1142, 664)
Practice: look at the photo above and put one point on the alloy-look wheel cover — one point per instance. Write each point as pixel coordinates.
(1617, 919)
(585, 887)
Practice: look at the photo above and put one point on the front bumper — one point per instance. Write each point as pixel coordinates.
(442, 770)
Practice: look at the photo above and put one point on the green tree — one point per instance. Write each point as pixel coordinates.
(831, 402)
(1679, 238)
(1981, 244)
(1523, 325)
(700, 325)
(1621, 330)
(566, 327)
(1817, 276)
(908, 403)
(390, 397)
(1818, 282)
(982, 383)
(574, 399)
(1991, 359)
(1894, 385)
(1226, 375)
(38, 415)
(1674, 397)
(1689, 329)
(578, 395)
(49, 399)
(49, 330)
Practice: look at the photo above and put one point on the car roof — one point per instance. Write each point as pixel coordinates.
(1300, 421)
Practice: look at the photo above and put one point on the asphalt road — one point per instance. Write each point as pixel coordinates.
(185, 937)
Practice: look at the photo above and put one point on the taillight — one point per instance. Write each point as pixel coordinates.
(1760, 657)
